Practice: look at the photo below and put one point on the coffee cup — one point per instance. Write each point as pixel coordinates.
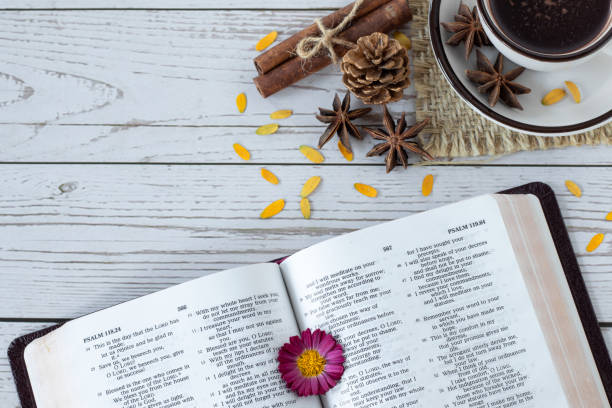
(548, 35)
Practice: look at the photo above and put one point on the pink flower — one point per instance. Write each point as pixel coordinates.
(311, 364)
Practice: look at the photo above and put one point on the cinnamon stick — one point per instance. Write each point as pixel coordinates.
(285, 50)
(383, 19)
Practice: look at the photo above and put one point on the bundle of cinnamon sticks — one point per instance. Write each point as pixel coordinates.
(280, 67)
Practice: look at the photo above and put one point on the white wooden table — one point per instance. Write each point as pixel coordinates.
(117, 173)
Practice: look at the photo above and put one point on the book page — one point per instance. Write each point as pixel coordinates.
(432, 311)
(211, 342)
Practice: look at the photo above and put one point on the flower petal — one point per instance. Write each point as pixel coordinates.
(334, 371)
(316, 338)
(330, 381)
(297, 342)
(295, 347)
(292, 375)
(326, 344)
(323, 385)
(307, 338)
(314, 386)
(286, 367)
(286, 357)
(335, 357)
(299, 385)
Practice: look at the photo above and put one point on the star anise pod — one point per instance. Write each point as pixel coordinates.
(397, 140)
(493, 81)
(466, 27)
(340, 121)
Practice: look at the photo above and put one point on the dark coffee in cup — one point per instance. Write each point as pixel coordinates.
(551, 27)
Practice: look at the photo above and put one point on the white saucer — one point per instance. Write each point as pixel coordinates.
(594, 78)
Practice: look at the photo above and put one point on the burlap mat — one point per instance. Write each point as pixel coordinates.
(456, 130)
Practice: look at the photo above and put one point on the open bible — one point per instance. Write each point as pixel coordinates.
(475, 304)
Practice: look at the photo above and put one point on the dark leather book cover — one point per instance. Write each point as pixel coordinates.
(564, 249)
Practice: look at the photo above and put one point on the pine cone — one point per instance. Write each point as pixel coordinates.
(377, 70)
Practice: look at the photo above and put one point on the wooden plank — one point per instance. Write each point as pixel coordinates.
(170, 4)
(160, 144)
(124, 69)
(149, 67)
(77, 238)
(8, 331)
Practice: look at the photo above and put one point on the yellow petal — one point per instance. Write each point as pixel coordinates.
(403, 39)
(310, 186)
(281, 114)
(267, 129)
(305, 207)
(241, 102)
(573, 88)
(573, 188)
(242, 152)
(312, 154)
(427, 185)
(273, 209)
(595, 242)
(609, 216)
(347, 155)
(266, 41)
(553, 96)
(366, 190)
(269, 176)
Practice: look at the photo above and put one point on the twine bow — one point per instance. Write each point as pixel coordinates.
(311, 46)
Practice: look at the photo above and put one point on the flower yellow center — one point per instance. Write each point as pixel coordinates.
(311, 363)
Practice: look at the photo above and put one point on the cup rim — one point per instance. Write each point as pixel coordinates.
(435, 37)
(499, 35)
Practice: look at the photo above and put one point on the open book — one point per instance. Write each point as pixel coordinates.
(466, 305)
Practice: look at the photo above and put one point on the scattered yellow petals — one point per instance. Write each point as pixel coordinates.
(266, 41)
(267, 129)
(242, 151)
(347, 155)
(609, 216)
(403, 39)
(573, 188)
(427, 185)
(241, 102)
(312, 154)
(269, 176)
(553, 96)
(309, 186)
(305, 207)
(281, 114)
(595, 242)
(573, 89)
(366, 190)
(273, 209)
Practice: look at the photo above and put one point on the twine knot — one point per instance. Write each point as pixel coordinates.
(311, 46)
